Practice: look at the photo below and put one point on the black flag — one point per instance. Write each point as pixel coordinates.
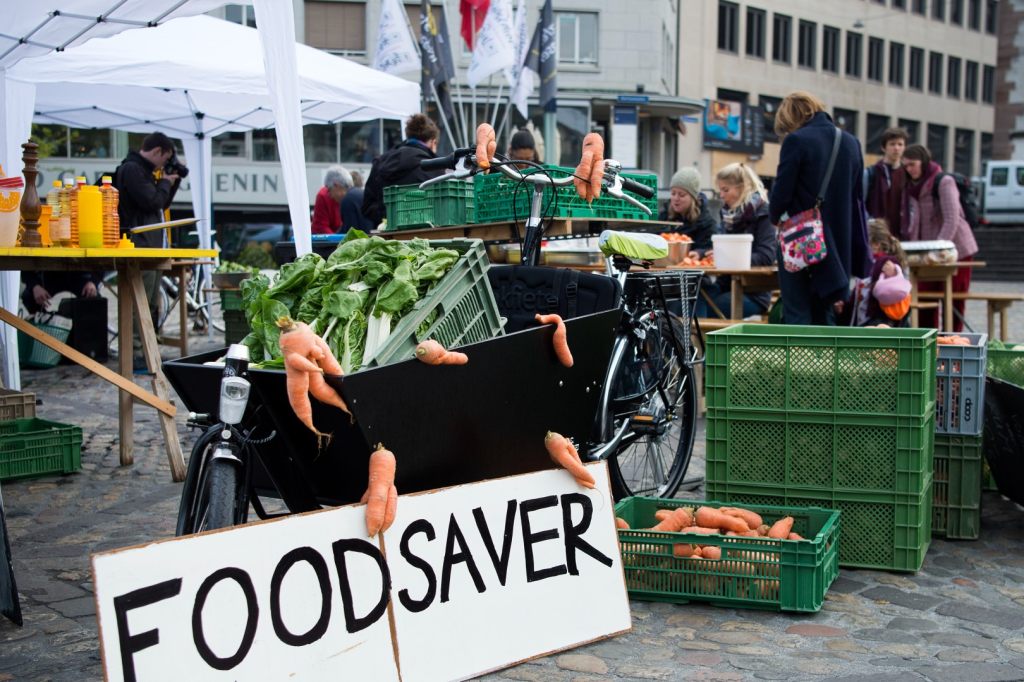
(542, 58)
(438, 65)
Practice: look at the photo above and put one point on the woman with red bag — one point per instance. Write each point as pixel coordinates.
(816, 292)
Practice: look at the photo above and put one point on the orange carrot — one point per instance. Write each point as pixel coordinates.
(678, 518)
(325, 393)
(700, 530)
(682, 550)
(595, 143)
(378, 489)
(581, 176)
(711, 552)
(433, 353)
(781, 529)
(662, 514)
(753, 520)
(762, 530)
(621, 524)
(564, 453)
(712, 518)
(391, 509)
(486, 145)
(794, 536)
(302, 350)
(560, 338)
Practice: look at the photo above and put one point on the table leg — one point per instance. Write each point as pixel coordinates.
(914, 300)
(181, 272)
(947, 304)
(737, 298)
(1004, 331)
(152, 352)
(991, 309)
(126, 416)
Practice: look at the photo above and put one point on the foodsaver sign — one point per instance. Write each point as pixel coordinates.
(467, 580)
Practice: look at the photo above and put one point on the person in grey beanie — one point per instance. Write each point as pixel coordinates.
(689, 207)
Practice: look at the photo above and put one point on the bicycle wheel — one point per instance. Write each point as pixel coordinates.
(656, 394)
(212, 496)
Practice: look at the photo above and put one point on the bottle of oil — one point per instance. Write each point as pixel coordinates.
(79, 184)
(90, 217)
(111, 221)
(63, 237)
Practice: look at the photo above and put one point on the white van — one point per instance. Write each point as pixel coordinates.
(1003, 193)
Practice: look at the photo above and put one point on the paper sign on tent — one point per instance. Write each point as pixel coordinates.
(507, 570)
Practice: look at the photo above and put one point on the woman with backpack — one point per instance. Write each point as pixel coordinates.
(931, 210)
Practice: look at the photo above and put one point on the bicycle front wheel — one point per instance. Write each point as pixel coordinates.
(661, 408)
(213, 495)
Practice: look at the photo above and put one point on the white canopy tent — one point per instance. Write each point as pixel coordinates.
(212, 83)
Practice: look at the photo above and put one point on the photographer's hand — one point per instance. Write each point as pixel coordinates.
(172, 177)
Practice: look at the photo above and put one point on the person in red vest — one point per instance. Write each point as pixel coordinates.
(327, 208)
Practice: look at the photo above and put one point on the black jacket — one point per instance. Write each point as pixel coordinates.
(352, 213)
(398, 166)
(141, 198)
(700, 230)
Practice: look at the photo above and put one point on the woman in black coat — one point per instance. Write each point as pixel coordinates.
(814, 294)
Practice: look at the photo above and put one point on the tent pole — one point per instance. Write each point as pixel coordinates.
(444, 119)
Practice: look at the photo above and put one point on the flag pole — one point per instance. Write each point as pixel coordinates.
(487, 101)
(440, 110)
(455, 86)
(497, 103)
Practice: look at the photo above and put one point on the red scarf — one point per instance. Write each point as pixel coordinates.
(914, 186)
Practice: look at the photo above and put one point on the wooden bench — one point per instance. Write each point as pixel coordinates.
(997, 303)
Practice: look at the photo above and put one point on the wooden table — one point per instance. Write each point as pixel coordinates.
(937, 273)
(129, 264)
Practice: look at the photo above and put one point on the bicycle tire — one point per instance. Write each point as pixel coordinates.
(211, 496)
(221, 495)
(653, 462)
(194, 476)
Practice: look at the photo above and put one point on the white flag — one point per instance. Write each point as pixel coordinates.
(396, 51)
(494, 48)
(520, 78)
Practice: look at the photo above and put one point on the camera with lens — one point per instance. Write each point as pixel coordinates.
(175, 167)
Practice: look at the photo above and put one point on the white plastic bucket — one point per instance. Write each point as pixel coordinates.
(732, 251)
(10, 217)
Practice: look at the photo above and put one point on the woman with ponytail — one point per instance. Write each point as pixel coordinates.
(744, 211)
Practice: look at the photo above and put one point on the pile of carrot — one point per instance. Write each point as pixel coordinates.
(676, 237)
(694, 260)
(953, 340)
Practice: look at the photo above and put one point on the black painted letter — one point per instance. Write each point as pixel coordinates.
(415, 606)
(252, 615)
(530, 538)
(313, 558)
(574, 534)
(451, 558)
(130, 644)
(352, 623)
(500, 561)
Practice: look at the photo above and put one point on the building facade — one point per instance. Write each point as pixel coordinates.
(1009, 132)
(926, 65)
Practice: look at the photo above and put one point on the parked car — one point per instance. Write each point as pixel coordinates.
(1002, 193)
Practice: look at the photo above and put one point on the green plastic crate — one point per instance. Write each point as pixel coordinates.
(459, 310)
(887, 531)
(231, 299)
(1006, 364)
(36, 447)
(446, 203)
(811, 451)
(236, 327)
(787, 575)
(956, 498)
(495, 194)
(847, 370)
(960, 387)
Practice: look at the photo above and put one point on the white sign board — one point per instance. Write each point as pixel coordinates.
(481, 577)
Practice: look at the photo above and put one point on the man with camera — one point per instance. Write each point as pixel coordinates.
(147, 181)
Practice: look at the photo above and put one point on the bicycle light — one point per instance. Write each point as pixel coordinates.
(234, 395)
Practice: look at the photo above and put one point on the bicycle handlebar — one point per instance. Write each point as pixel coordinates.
(636, 188)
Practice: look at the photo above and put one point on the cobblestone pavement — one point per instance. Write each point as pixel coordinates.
(959, 618)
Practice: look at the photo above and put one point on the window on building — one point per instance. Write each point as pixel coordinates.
(920, 6)
(846, 119)
(913, 129)
(899, 4)
(991, 13)
(230, 145)
(769, 105)
(830, 49)
(577, 37)
(360, 142)
(337, 27)
(264, 145)
(974, 15)
(755, 32)
(935, 73)
(807, 49)
(728, 26)
(971, 81)
(963, 152)
(915, 78)
(320, 143)
(91, 143)
(876, 51)
(1000, 177)
(731, 95)
(782, 38)
(988, 84)
(953, 77)
(877, 124)
(939, 10)
(854, 58)
(937, 138)
(956, 12)
(985, 148)
(896, 51)
(240, 14)
(52, 140)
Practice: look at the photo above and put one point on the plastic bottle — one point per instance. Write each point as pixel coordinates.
(53, 201)
(111, 221)
(63, 235)
(90, 217)
(73, 201)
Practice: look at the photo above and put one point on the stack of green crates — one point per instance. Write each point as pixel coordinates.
(446, 203)
(36, 447)
(956, 505)
(831, 417)
(1006, 361)
(236, 327)
(501, 199)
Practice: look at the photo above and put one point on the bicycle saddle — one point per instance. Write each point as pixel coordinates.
(637, 246)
